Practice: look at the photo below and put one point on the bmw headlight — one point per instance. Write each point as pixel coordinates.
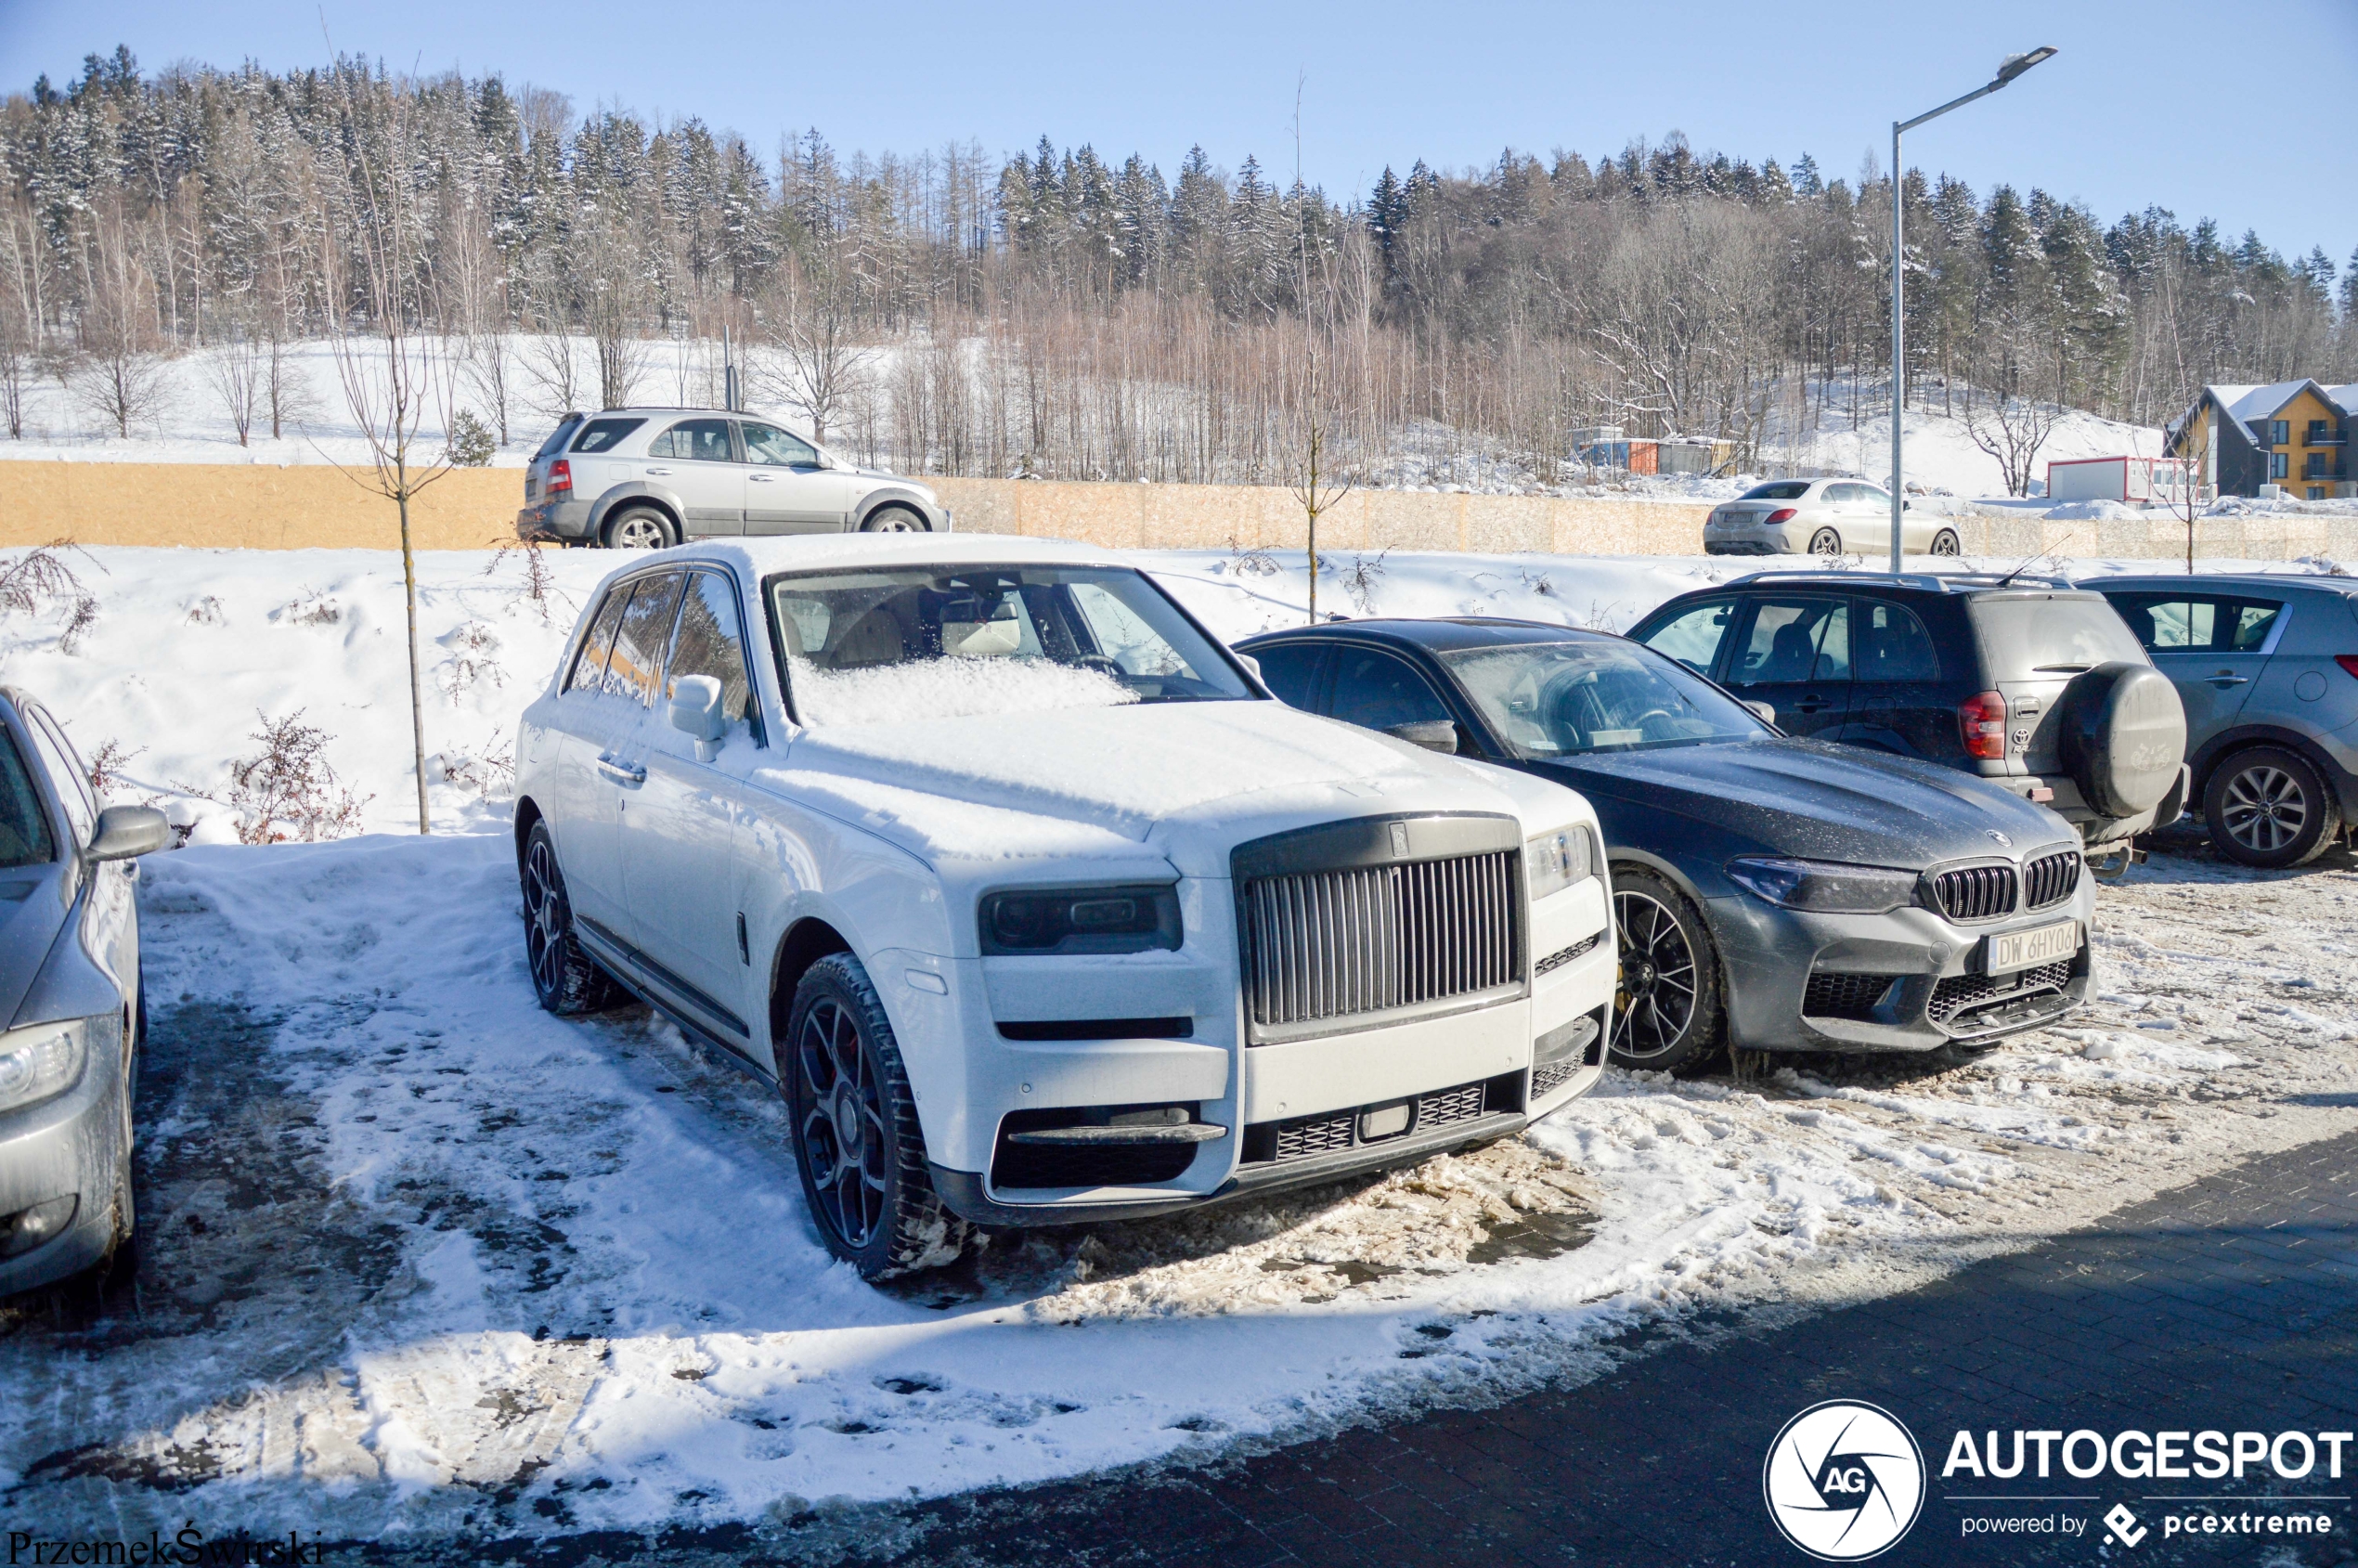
(1823, 886)
(1082, 920)
(1556, 861)
(38, 1062)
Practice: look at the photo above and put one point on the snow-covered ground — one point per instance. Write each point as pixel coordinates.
(422, 1260)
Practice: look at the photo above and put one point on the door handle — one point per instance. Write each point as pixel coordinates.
(761, 478)
(629, 775)
(1811, 705)
(2226, 679)
(658, 474)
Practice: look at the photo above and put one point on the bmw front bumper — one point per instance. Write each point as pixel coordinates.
(1906, 980)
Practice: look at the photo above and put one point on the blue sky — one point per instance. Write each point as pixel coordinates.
(2200, 108)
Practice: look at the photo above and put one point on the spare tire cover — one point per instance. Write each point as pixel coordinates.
(2124, 737)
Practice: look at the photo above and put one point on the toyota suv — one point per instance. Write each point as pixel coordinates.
(2031, 682)
(647, 478)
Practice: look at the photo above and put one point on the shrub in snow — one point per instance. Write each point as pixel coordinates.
(538, 590)
(471, 443)
(206, 611)
(474, 656)
(949, 688)
(314, 608)
(288, 791)
(41, 578)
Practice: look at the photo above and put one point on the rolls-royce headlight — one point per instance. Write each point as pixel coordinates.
(1131, 918)
(1556, 861)
(36, 1063)
(1825, 888)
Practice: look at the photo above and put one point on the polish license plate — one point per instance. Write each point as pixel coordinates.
(2041, 944)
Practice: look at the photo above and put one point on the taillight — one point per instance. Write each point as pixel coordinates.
(559, 476)
(1981, 720)
(2347, 661)
(1782, 514)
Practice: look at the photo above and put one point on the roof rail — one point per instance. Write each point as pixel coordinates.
(1938, 582)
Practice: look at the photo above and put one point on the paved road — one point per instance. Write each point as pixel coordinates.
(2232, 1303)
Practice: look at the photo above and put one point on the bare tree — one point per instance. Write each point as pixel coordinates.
(120, 374)
(234, 370)
(822, 356)
(391, 372)
(2006, 423)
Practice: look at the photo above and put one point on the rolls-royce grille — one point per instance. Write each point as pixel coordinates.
(1305, 1136)
(2050, 879)
(1977, 892)
(1332, 944)
(1831, 995)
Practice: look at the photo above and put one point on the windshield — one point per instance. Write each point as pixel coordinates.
(1562, 699)
(1776, 490)
(887, 647)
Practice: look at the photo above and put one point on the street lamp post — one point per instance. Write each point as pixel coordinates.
(2014, 66)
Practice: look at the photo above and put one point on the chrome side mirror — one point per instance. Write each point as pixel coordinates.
(1433, 734)
(695, 712)
(126, 832)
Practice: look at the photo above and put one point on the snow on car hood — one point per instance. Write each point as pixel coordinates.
(1187, 780)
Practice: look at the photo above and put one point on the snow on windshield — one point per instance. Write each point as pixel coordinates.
(947, 688)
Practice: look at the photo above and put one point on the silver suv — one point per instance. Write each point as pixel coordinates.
(645, 478)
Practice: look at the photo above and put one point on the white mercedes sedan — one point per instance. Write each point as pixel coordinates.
(1034, 904)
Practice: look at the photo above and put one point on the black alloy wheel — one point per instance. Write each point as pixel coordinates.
(2268, 808)
(1825, 541)
(857, 1140)
(1667, 1016)
(565, 979)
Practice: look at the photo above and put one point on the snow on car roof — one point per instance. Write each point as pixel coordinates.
(855, 552)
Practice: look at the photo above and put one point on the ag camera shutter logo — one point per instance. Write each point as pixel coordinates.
(1845, 1481)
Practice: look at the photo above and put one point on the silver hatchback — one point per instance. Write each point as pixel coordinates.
(1819, 517)
(645, 478)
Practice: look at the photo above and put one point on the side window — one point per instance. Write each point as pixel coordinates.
(24, 823)
(589, 673)
(637, 662)
(603, 435)
(1781, 648)
(2170, 623)
(1692, 637)
(1891, 646)
(1833, 646)
(2248, 629)
(66, 775)
(1290, 671)
(694, 440)
(768, 443)
(1379, 690)
(710, 640)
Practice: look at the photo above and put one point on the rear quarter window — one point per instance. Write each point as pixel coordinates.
(556, 441)
(2027, 636)
(605, 435)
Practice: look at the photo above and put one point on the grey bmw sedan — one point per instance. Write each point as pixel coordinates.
(1770, 893)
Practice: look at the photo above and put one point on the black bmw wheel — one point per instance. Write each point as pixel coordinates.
(565, 979)
(1667, 1010)
(857, 1140)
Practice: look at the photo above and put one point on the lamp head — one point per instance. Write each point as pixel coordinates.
(2014, 65)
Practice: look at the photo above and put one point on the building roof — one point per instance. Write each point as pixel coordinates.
(2249, 402)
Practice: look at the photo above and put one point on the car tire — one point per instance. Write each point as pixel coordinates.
(565, 979)
(638, 528)
(857, 1141)
(2268, 807)
(1826, 541)
(1667, 1013)
(1946, 542)
(895, 520)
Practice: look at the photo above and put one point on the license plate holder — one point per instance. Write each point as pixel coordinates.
(2010, 952)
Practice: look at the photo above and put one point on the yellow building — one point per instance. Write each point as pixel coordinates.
(2295, 434)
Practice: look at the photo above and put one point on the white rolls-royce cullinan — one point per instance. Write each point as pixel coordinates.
(1033, 902)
